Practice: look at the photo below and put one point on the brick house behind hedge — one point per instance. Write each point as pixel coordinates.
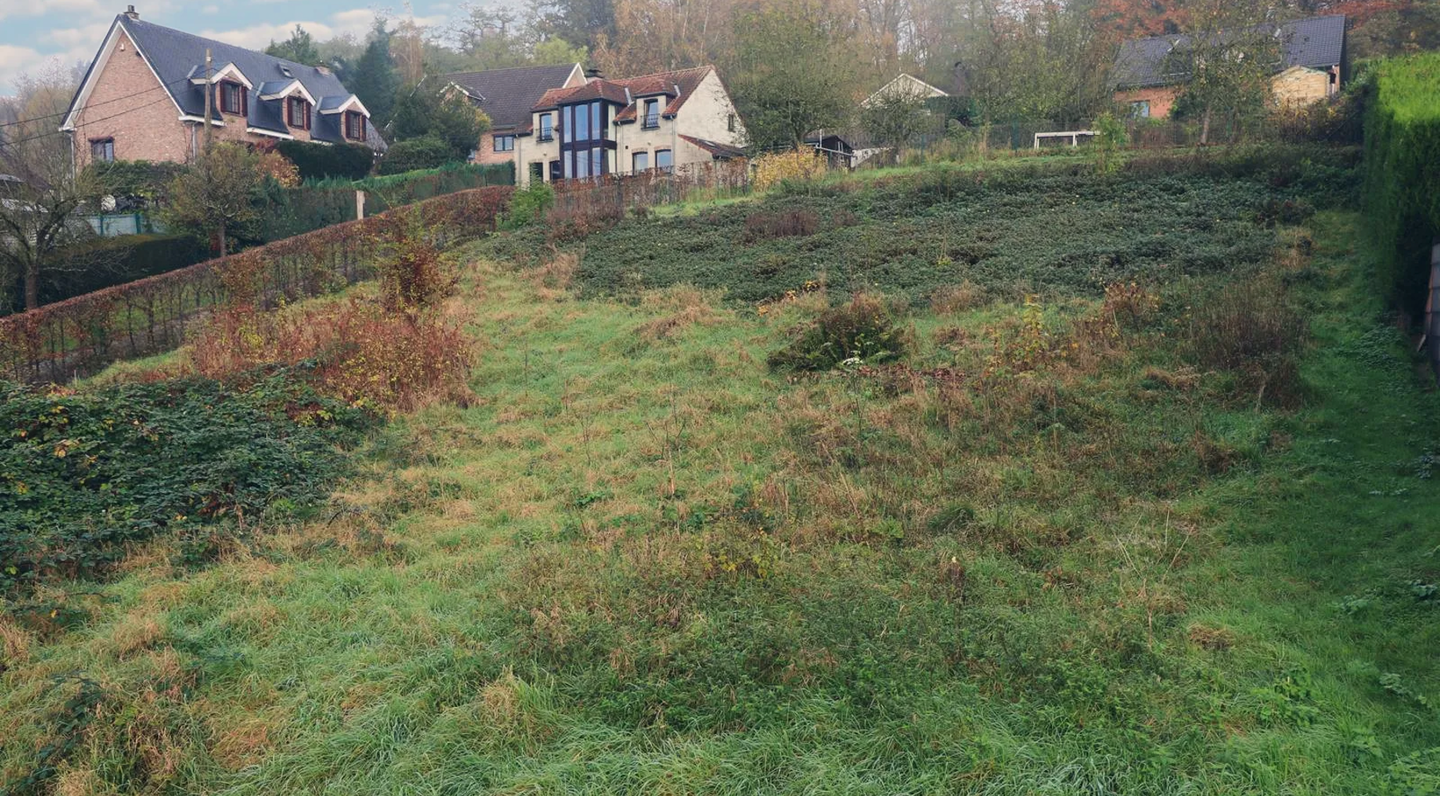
(143, 98)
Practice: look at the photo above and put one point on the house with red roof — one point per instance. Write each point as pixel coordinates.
(667, 121)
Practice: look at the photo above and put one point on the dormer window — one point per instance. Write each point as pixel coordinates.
(547, 127)
(354, 126)
(234, 98)
(297, 113)
(652, 114)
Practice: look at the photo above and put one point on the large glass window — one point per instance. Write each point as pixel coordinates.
(640, 161)
(664, 159)
(582, 165)
(582, 123)
(596, 131)
(597, 162)
(567, 124)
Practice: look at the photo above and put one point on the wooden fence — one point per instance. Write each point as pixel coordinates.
(611, 193)
(79, 336)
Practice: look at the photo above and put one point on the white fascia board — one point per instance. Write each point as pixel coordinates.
(271, 133)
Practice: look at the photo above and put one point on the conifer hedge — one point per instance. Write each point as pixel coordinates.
(1402, 171)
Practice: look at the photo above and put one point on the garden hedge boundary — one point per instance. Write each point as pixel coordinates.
(79, 336)
(1402, 172)
(317, 205)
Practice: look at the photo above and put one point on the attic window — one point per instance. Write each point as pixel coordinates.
(354, 126)
(285, 70)
(234, 99)
(297, 113)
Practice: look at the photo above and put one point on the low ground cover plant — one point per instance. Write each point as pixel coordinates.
(1008, 230)
(87, 474)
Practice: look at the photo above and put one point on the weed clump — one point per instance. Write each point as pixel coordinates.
(1250, 330)
(860, 329)
(784, 224)
(361, 353)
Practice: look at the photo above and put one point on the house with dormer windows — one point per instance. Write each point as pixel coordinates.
(665, 121)
(143, 98)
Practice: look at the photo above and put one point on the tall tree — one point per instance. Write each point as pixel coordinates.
(1228, 58)
(798, 70)
(300, 48)
(373, 77)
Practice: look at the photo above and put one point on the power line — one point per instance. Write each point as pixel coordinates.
(96, 105)
(5, 143)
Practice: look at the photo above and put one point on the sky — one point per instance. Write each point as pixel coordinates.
(35, 32)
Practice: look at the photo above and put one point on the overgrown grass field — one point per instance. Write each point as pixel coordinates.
(1132, 495)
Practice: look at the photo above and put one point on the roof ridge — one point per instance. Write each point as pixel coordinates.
(570, 65)
(125, 21)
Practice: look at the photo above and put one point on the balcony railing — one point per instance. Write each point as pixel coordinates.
(652, 121)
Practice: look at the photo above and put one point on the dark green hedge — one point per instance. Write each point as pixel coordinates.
(1402, 166)
(115, 261)
(417, 153)
(319, 161)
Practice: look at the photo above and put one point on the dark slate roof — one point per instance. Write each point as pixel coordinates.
(177, 56)
(506, 95)
(1317, 42)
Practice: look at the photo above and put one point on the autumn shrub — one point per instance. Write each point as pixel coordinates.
(782, 224)
(408, 263)
(360, 352)
(860, 329)
(567, 223)
(1250, 330)
(800, 165)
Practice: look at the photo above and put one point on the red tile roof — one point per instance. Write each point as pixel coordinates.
(658, 84)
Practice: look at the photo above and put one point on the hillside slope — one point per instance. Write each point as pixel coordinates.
(1049, 551)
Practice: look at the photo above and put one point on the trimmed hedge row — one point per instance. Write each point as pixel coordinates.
(114, 261)
(1402, 183)
(79, 336)
(330, 202)
(321, 161)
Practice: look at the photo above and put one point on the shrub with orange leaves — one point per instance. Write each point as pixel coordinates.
(364, 355)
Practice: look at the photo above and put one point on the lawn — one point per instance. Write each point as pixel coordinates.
(1048, 550)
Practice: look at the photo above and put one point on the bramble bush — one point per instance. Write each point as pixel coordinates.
(85, 474)
(860, 329)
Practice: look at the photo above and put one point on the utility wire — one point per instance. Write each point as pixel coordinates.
(96, 105)
(5, 143)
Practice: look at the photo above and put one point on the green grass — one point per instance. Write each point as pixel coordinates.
(641, 562)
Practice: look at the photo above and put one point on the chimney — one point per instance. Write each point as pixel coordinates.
(131, 12)
(593, 74)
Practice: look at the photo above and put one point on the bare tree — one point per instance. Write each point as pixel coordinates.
(40, 190)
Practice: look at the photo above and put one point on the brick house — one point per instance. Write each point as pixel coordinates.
(1149, 78)
(506, 96)
(667, 121)
(143, 98)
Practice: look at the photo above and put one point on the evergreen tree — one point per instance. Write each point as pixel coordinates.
(374, 78)
(300, 48)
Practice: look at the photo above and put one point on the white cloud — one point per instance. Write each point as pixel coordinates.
(88, 36)
(14, 60)
(35, 9)
(355, 22)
